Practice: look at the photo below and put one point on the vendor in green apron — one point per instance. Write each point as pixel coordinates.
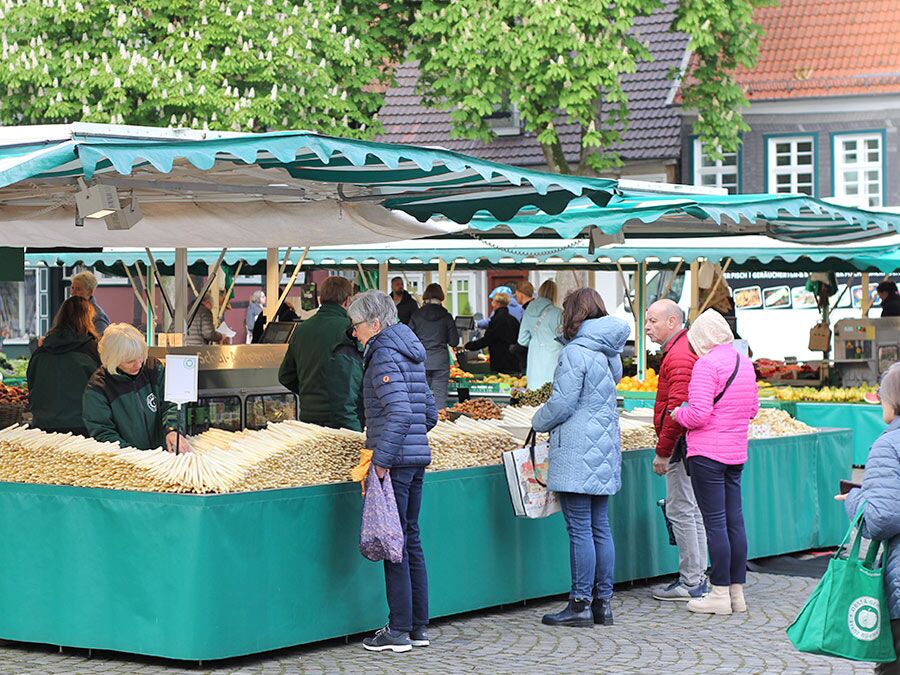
(124, 402)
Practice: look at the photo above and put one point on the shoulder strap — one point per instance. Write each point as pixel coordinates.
(737, 366)
(541, 317)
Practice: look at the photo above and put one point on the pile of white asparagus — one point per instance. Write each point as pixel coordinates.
(770, 422)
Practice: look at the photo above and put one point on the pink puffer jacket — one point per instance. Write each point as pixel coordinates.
(719, 432)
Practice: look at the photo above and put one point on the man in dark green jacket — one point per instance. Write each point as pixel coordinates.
(124, 401)
(323, 364)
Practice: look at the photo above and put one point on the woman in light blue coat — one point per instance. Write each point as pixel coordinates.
(540, 332)
(879, 494)
(585, 450)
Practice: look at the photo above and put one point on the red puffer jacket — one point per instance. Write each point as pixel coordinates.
(674, 378)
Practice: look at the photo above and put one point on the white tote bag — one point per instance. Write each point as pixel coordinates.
(526, 477)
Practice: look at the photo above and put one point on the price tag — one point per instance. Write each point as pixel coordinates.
(181, 378)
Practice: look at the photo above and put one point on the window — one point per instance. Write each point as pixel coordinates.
(792, 165)
(718, 173)
(460, 300)
(23, 307)
(858, 169)
(504, 120)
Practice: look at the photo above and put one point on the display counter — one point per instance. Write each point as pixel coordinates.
(209, 577)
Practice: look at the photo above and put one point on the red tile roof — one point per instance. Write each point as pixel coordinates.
(814, 48)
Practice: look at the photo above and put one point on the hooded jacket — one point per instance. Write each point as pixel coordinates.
(130, 411)
(581, 416)
(406, 307)
(400, 408)
(322, 365)
(64, 357)
(539, 332)
(436, 329)
(501, 333)
(881, 485)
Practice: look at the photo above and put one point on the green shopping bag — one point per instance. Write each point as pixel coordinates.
(847, 615)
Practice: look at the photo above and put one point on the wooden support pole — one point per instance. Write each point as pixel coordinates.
(640, 314)
(866, 300)
(179, 322)
(671, 282)
(210, 278)
(228, 292)
(442, 273)
(695, 290)
(284, 263)
(290, 284)
(719, 281)
(384, 284)
(156, 274)
(272, 281)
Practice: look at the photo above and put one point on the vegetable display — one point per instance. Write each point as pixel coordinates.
(478, 409)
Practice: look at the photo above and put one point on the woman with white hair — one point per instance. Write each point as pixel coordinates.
(879, 500)
(400, 411)
(722, 399)
(124, 402)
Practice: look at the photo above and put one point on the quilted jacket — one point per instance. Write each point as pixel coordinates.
(539, 332)
(881, 485)
(719, 431)
(399, 405)
(585, 448)
(674, 377)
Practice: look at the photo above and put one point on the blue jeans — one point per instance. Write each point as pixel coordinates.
(407, 581)
(591, 549)
(717, 487)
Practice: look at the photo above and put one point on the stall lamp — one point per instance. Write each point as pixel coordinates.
(126, 217)
(96, 201)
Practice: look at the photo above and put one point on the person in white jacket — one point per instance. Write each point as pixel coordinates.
(539, 332)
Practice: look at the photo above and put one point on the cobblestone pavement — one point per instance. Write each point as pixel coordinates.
(649, 637)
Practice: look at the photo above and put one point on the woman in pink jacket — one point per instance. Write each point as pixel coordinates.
(722, 399)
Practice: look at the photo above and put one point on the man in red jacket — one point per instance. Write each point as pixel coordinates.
(665, 326)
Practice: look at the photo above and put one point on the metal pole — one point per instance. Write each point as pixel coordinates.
(866, 301)
(181, 291)
(640, 320)
(272, 281)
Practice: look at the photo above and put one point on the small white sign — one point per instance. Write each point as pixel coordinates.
(181, 378)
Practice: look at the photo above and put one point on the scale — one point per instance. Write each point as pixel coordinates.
(865, 348)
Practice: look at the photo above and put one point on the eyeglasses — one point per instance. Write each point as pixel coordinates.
(354, 325)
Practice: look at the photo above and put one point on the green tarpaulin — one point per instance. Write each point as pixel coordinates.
(208, 577)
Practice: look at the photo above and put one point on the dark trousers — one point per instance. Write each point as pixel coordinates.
(438, 381)
(892, 668)
(407, 581)
(717, 488)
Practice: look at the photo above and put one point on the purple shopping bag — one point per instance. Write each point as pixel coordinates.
(380, 535)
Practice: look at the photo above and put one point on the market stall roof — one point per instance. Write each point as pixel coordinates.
(649, 209)
(285, 188)
(746, 253)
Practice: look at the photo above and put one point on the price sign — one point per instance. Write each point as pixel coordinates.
(181, 378)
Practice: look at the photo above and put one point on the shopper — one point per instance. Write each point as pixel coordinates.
(406, 304)
(436, 329)
(254, 310)
(124, 400)
(878, 499)
(502, 332)
(400, 411)
(890, 299)
(323, 364)
(665, 327)
(524, 294)
(585, 451)
(284, 313)
(83, 285)
(202, 329)
(722, 399)
(539, 332)
(67, 355)
(514, 307)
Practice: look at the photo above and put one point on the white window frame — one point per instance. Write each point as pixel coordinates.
(719, 170)
(793, 170)
(453, 294)
(861, 198)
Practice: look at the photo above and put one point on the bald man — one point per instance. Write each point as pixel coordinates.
(665, 327)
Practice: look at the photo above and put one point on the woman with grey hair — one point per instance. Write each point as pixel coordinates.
(879, 500)
(400, 411)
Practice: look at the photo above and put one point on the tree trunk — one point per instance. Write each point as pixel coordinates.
(555, 157)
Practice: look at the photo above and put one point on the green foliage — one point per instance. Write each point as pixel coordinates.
(244, 65)
(723, 37)
(554, 59)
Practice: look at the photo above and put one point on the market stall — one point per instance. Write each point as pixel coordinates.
(199, 577)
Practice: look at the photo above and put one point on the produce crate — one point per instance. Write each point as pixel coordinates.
(643, 395)
(11, 413)
(478, 389)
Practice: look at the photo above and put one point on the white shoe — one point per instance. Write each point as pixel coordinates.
(717, 602)
(738, 604)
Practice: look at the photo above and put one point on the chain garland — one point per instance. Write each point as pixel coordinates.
(532, 253)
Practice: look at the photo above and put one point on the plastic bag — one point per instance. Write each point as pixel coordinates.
(380, 534)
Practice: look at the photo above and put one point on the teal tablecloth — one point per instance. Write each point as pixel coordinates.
(208, 577)
(865, 420)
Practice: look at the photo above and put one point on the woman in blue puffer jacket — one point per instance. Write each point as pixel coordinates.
(400, 411)
(881, 493)
(585, 450)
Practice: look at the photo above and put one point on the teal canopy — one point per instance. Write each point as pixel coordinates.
(178, 176)
(668, 210)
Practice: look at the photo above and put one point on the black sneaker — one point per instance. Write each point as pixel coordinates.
(419, 637)
(388, 640)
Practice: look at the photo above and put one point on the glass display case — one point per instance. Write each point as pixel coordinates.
(263, 408)
(214, 412)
